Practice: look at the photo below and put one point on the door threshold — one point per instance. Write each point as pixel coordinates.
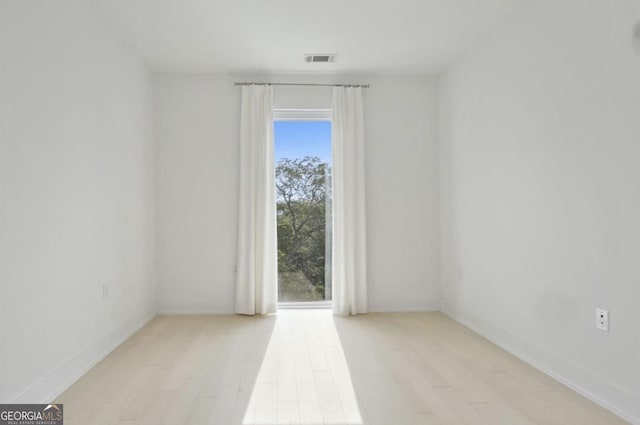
(304, 305)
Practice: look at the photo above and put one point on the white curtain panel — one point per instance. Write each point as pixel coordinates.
(349, 278)
(257, 280)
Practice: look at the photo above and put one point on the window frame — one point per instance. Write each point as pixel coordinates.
(303, 115)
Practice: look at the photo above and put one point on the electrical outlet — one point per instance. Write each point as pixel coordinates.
(602, 319)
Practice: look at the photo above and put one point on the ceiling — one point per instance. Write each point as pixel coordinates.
(370, 36)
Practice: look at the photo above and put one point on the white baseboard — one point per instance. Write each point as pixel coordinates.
(608, 395)
(429, 306)
(56, 382)
(198, 309)
(195, 308)
(426, 309)
(191, 312)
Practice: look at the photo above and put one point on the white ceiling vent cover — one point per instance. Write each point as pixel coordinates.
(320, 58)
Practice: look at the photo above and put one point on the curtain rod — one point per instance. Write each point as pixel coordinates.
(364, 86)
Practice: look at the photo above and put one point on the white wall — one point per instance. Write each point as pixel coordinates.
(76, 196)
(540, 132)
(197, 127)
(196, 134)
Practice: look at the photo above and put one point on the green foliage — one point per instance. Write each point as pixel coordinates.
(301, 196)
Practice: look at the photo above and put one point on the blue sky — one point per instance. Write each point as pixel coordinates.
(297, 139)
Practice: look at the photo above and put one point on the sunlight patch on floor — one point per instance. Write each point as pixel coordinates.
(304, 377)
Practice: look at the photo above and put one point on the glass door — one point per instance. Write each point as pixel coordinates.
(303, 203)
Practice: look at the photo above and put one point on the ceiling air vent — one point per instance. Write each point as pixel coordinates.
(317, 58)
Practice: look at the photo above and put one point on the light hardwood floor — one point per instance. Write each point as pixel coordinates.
(309, 367)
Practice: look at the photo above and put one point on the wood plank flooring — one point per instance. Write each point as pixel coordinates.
(309, 367)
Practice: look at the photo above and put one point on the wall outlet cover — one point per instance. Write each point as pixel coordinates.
(602, 319)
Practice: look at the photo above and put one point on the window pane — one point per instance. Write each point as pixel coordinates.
(303, 197)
